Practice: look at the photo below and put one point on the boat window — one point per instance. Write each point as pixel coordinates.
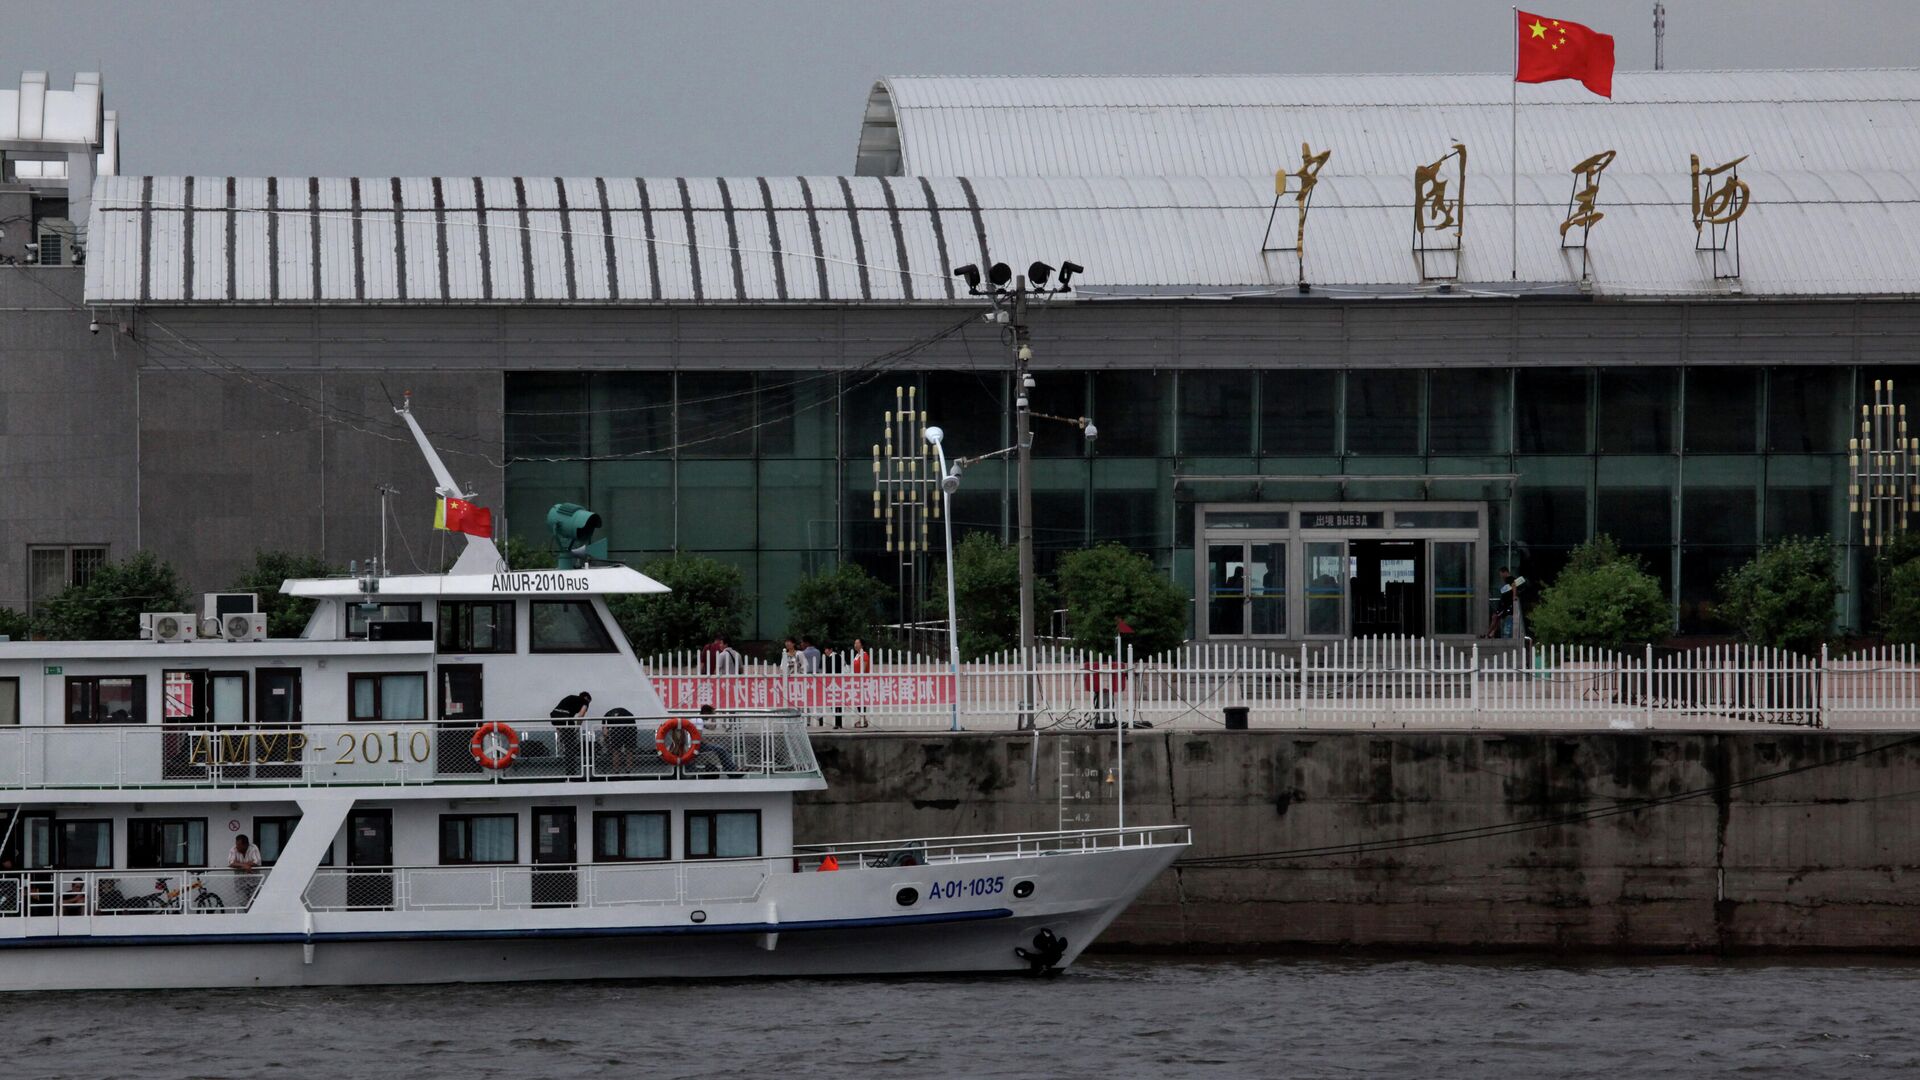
(568, 626)
(359, 615)
(387, 697)
(166, 842)
(9, 702)
(83, 845)
(479, 838)
(723, 834)
(106, 699)
(476, 626)
(630, 837)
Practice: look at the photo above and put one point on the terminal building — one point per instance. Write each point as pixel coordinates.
(1323, 418)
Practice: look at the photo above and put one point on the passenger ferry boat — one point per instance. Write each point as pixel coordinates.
(484, 842)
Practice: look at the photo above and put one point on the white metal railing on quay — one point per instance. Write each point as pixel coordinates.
(1394, 681)
(526, 887)
(73, 901)
(34, 756)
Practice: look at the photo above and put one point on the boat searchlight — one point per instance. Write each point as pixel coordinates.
(572, 527)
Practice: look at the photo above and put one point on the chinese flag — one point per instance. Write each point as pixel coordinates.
(461, 516)
(1557, 49)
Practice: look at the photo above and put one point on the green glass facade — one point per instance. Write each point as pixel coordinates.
(1690, 468)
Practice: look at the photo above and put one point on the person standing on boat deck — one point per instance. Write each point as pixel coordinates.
(244, 861)
(566, 723)
(714, 748)
(859, 663)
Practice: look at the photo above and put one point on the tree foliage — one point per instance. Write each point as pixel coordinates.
(108, 605)
(1784, 596)
(1602, 599)
(835, 606)
(520, 555)
(986, 581)
(1102, 585)
(286, 615)
(14, 625)
(1900, 603)
(708, 599)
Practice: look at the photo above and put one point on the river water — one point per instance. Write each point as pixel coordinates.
(1109, 1018)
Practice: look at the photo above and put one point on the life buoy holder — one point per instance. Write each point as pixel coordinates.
(679, 732)
(491, 754)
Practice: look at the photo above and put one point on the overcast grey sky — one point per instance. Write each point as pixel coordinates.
(733, 87)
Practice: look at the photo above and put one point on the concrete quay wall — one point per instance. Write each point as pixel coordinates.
(1652, 841)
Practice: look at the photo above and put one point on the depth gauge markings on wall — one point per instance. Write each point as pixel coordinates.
(526, 238)
(566, 236)
(440, 238)
(273, 240)
(939, 232)
(979, 223)
(313, 230)
(186, 241)
(773, 238)
(399, 241)
(859, 244)
(646, 226)
(359, 242)
(899, 237)
(813, 230)
(233, 215)
(733, 239)
(606, 234)
(486, 242)
(693, 249)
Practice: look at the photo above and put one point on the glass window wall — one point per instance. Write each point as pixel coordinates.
(1216, 412)
(1383, 412)
(1299, 411)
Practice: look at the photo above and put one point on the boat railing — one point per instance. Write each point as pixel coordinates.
(77, 901)
(524, 887)
(880, 854)
(172, 755)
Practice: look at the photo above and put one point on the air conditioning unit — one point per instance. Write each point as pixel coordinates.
(244, 626)
(170, 627)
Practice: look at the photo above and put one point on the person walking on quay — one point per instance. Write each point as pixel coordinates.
(859, 663)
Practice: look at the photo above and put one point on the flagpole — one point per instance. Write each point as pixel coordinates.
(1513, 148)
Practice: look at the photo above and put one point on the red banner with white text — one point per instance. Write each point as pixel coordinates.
(871, 691)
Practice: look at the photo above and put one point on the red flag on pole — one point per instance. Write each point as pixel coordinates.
(1120, 627)
(1557, 49)
(461, 516)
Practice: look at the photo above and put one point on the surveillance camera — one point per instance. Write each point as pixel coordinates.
(93, 327)
(950, 483)
(1092, 431)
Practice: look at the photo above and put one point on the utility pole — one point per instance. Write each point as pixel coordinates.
(1023, 438)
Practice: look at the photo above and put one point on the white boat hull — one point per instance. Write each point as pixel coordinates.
(801, 924)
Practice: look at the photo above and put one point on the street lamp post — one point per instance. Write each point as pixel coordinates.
(948, 482)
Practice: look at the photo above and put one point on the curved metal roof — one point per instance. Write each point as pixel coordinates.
(618, 240)
(1250, 125)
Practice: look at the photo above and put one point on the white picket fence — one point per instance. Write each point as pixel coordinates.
(1379, 682)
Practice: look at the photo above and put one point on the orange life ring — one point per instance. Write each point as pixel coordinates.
(489, 758)
(663, 740)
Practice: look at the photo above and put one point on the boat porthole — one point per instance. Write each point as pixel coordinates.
(699, 916)
(1022, 889)
(907, 897)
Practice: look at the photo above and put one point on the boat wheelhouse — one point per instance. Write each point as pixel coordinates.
(467, 777)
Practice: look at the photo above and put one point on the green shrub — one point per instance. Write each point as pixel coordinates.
(14, 625)
(286, 615)
(1783, 597)
(1103, 585)
(986, 580)
(1602, 599)
(1900, 600)
(708, 599)
(108, 605)
(835, 606)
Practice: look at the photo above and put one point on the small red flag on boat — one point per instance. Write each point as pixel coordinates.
(461, 516)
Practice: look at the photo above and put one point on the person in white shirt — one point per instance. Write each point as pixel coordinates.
(244, 861)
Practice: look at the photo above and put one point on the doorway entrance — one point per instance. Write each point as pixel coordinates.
(1280, 572)
(556, 883)
(370, 845)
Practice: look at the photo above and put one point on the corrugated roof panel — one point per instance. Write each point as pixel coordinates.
(671, 241)
(802, 270)
(504, 239)
(294, 242)
(713, 250)
(378, 233)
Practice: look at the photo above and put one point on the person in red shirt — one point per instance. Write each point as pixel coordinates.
(860, 663)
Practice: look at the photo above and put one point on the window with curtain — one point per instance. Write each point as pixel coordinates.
(167, 842)
(631, 836)
(9, 702)
(84, 845)
(723, 834)
(106, 699)
(388, 697)
(468, 839)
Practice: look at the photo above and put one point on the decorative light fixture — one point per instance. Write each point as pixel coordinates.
(903, 484)
(1885, 462)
